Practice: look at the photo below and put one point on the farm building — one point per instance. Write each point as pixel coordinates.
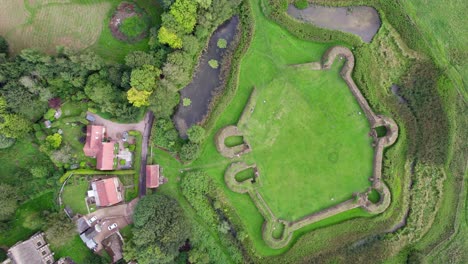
(152, 176)
(106, 191)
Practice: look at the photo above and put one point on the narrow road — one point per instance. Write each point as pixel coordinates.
(144, 153)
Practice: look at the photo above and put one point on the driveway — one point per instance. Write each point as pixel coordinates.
(122, 215)
(113, 128)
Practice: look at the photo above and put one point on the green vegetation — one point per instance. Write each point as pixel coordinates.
(186, 102)
(28, 219)
(213, 64)
(74, 195)
(133, 26)
(234, 141)
(301, 4)
(222, 43)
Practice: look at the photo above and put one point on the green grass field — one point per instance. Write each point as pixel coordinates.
(308, 139)
(79, 24)
(74, 194)
(28, 219)
(445, 34)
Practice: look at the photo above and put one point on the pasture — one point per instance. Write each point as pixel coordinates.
(78, 24)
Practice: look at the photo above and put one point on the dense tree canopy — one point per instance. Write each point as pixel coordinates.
(167, 36)
(160, 228)
(185, 13)
(138, 98)
(144, 78)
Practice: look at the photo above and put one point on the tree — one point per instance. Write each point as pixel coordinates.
(138, 98)
(63, 155)
(103, 93)
(204, 3)
(59, 229)
(166, 36)
(6, 142)
(137, 59)
(3, 45)
(144, 78)
(160, 228)
(213, 64)
(222, 43)
(165, 3)
(185, 13)
(39, 171)
(14, 126)
(88, 60)
(54, 141)
(189, 151)
(8, 201)
(196, 134)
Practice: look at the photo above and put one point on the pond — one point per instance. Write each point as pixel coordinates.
(207, 81)
(363, 21)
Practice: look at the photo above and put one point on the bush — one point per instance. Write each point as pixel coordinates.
(189, 151)
(301, 4)
(122, 162)
(131, 147)
(222, 43)
(213, 64)
(133, 26)
(50, 114)
(196, 134)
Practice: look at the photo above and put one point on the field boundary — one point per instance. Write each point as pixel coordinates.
(251, 186)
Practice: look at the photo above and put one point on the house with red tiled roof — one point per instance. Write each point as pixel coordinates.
(105, 156)
(107, 192)
(94, 136)
(152, 176)
(96, 148)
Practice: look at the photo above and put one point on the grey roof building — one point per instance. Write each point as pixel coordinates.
(35, 250)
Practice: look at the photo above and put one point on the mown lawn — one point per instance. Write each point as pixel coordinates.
(75, 249)
(74, 194)
(309, 141)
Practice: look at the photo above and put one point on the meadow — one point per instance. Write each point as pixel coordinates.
(77, 24)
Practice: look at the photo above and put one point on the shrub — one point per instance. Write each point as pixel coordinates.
(196, 134)
(50, 114)
(133, 26)
(222, 43)
(122, 162)
(213, 64)
(186, 102)
(6, 142)
(189, 151)
(131, 147)
(301, 4)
